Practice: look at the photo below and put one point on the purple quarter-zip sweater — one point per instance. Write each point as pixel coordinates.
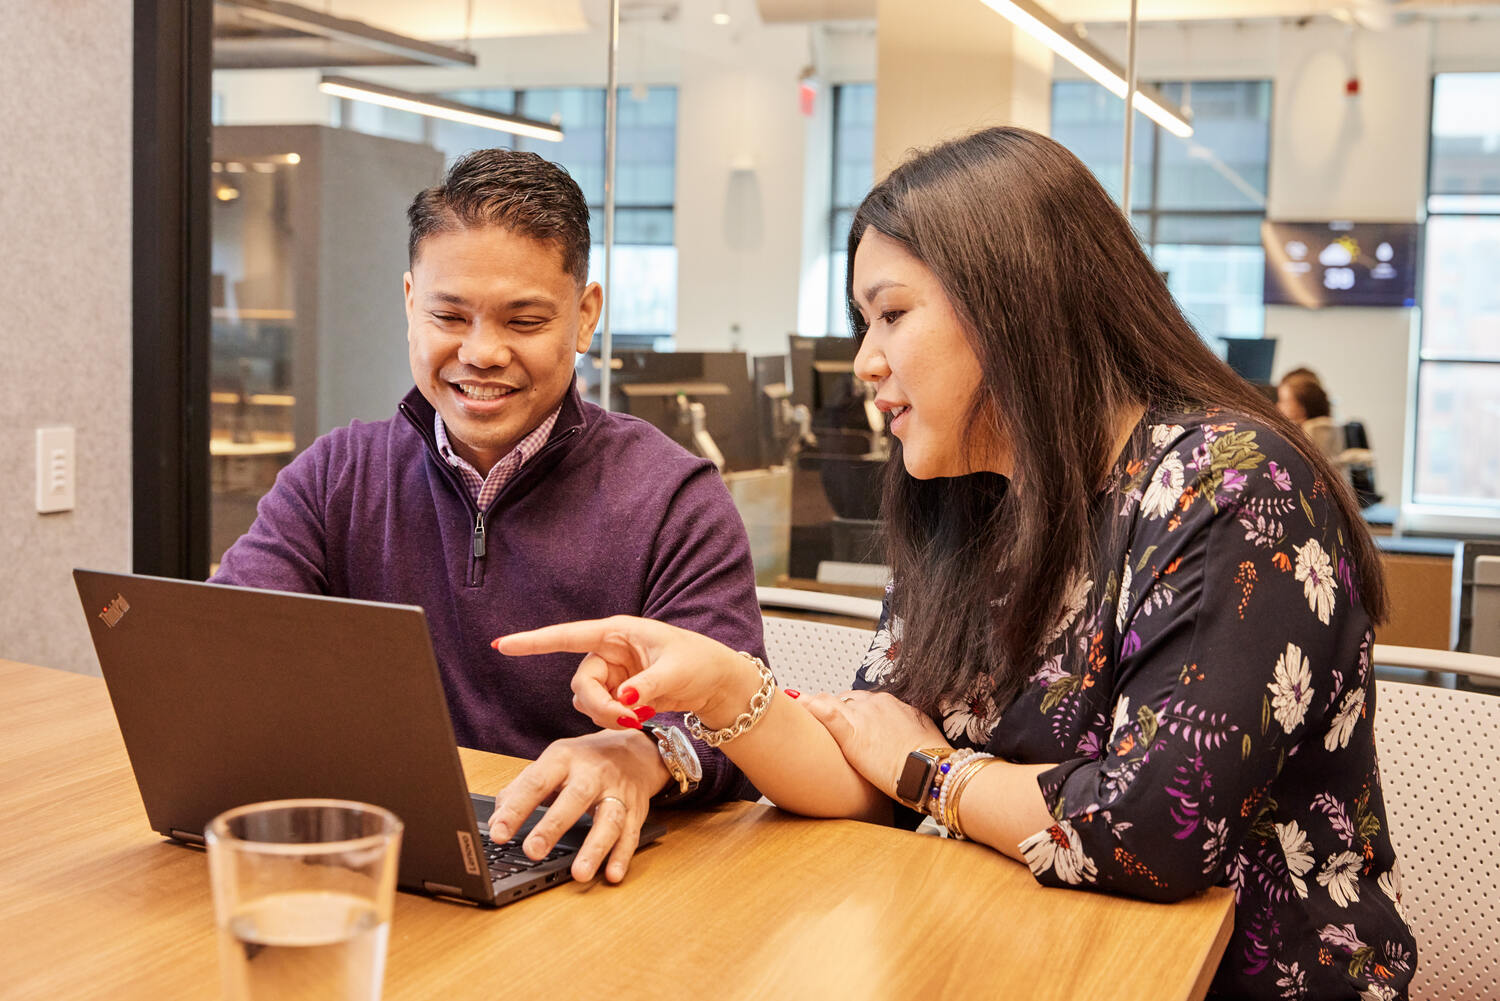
(609, 517)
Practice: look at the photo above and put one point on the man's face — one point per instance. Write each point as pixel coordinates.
(494, 323)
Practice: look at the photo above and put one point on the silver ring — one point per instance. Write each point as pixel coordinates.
(611, 799)
(847, 698)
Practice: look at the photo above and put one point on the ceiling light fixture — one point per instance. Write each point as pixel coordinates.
(1069, 44)
(275, 34)
(437, 107)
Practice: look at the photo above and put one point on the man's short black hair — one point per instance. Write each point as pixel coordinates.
(516, 190)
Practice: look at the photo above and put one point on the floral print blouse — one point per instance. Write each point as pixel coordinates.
(1209, 708)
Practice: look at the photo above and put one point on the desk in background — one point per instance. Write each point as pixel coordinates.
(739, 901)
(1419, 584)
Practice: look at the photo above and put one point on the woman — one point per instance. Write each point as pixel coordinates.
(1302, 400)
(1116, 569)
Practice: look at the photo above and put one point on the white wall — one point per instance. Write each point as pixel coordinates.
(64, 311)
(740, 141)
(1359, 158)
(943, 75)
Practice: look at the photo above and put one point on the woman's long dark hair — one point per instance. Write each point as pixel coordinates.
(1073, 326)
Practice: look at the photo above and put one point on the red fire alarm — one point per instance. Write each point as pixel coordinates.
(1351, 87)
(807, 96)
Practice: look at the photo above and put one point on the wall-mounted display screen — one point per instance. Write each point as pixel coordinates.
(1339, 263)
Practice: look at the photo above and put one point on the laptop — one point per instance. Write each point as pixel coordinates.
(230, 695)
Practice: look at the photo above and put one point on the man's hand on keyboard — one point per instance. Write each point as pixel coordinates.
(613, 773)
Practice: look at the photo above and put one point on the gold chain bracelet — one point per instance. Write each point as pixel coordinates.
(759, 703)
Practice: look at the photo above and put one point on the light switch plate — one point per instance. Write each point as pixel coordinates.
(55, 468)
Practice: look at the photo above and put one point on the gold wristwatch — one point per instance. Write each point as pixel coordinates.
(681, 759)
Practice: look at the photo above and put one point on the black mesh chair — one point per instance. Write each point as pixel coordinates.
(1359, 466)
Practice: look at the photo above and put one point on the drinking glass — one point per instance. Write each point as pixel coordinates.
(303, 891)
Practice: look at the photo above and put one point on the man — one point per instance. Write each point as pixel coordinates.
(499, 501)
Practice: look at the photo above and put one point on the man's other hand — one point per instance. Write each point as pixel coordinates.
(613, 773)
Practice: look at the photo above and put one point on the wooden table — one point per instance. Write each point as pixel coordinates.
(741, 901)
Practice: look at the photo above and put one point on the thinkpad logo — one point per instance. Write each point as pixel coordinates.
(114, 611)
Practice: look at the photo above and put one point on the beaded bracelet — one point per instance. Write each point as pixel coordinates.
(973, 766)
(934, 805)
(951, 786)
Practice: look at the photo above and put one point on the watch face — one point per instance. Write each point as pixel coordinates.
(916, 776)
(682, 749)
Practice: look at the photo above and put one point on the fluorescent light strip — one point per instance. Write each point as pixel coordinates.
(436, 107)
(1096, 65)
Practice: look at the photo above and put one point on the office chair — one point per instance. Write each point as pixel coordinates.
(1440, 775)
(1475, 626)
(1358, 463)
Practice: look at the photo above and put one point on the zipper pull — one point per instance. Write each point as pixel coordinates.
(479, 536)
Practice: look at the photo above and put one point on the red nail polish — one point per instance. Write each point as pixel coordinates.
(629, 721)
(793, 693)
(644, 712)
(629, 696)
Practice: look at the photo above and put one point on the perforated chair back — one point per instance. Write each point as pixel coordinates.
(814, 656)
(1440, 774)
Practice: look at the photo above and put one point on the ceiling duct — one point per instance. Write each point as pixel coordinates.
(271, 34)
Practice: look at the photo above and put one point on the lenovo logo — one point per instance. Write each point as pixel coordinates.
(466, 848)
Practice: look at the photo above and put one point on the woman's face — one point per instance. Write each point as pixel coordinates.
(1288, 404)
(918, 358)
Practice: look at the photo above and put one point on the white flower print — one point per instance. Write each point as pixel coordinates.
(1390, 885)
(1163, 433)
(1291, 688)
(1122, 717)
(1165, 489)
(1074, 597)
(1059, 849)
(1315, 570)
(1238, 869)
(1293, 981)
(1378, 992)
(1261, 529)
(1343, 724)
(1298, 853)
(884, 649)
(1122, 605)
(1340, 874)
(1050, 671)
(973, 717)
(1213, 848)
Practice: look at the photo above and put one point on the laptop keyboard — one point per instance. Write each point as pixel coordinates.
(508, 858)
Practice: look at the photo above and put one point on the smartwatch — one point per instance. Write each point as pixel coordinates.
(917, 775)
(681, 759)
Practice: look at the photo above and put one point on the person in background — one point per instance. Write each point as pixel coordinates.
(1301, 398)
(498, 500)
(1128, 636)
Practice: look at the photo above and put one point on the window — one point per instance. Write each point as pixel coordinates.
(643, 296)
(1457, 462)
(1196, 203)
(853, 173)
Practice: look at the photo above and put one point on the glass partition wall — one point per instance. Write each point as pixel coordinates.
(747, 135)
(739, 158)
